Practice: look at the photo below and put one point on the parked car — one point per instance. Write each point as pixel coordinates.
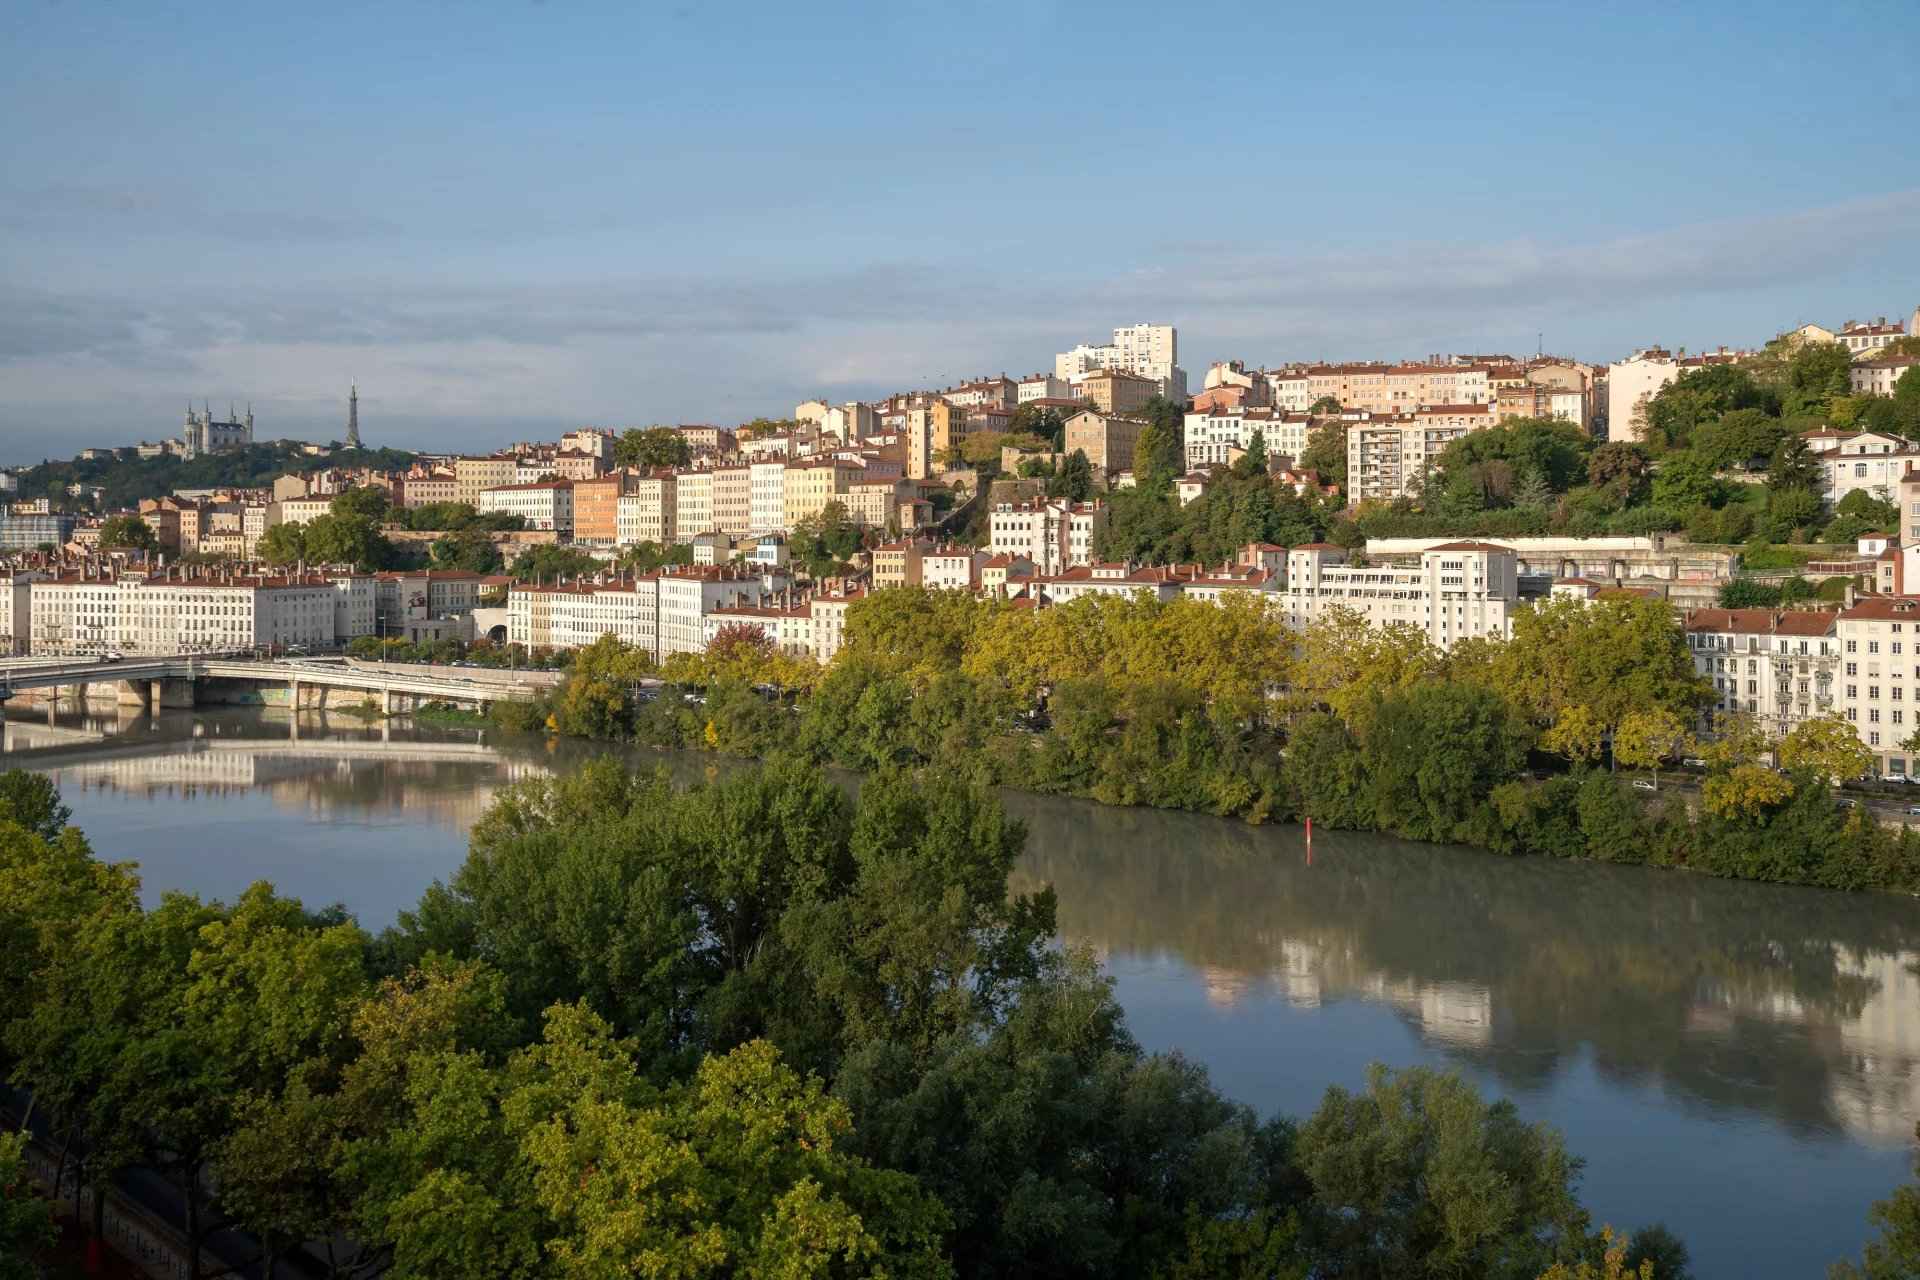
(1642, 784)
(1845, 803)
(1694, 762)
(113, 655)
(1894, 777)
(1913, 809)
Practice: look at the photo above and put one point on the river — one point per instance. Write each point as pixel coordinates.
(1740, 1061)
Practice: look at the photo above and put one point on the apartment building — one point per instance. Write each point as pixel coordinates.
(1862, 460)
(733, 498)
(947, 568)
(788, 627)
(1149, 350)
(84, 615)
(1390, 457)
(596, 508)
(1879, 682)
(1778, 666)
(766, 497)
(1044, 386)
(829, 610)
(1118, 391)
(420, 491)
(999, 393)
(292, 511)
(917, 426)
(1108, 439)
(693, 505)
(419, 595)
(897, 563)
(647, 511)
(1458, 590)
(705, 439)
(1632, 382)
(571, 615)
(16, 610)
(808, 487)
(597, 441)
(474, 476)
(1534, 400)
(1877, 376)
(354, 608)
(1864, 340)
(1218, 435)
(687, 595)
(545, 505)
(1054, 535)
(876, 503)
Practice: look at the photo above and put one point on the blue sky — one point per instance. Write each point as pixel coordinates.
(509, 218)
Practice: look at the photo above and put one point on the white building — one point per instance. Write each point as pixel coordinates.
(16, 611)
(1864, 340)
(1867, 461)
(649, 513)
(1877, 377)
(572, 615)
(1149, 350)
(546, 505)
(689, 594)
(767, 501)
(1777, 666)
(1459, 589)
(790, 628)
(89, 615)
(1879, 681)
(1055, 535)
(1216, 436)
(1046, 386)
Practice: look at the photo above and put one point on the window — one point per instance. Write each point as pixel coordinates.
(1851, 645)
(1853, 668)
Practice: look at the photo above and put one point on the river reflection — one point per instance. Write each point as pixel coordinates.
(1739, 1060)
(1801, 1002)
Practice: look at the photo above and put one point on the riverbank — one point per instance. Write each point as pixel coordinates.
(1441, 761)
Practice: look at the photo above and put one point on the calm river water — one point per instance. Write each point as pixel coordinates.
(1739, 1060)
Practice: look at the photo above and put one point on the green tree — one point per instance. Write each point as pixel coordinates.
(1075, 480)
(469, 550)
(1325, 405)
(551, 563)
(127, 533)
(1895, 1253)
(1437, 750)
(366, 502)
(1698, 397)
(26, 1221)
(1620, 469)
(31, 800)
(744, 1172)
(652, 447)
(1817, 374)
(345, 539)
(1326, 452)
(284, 544)
(1420, 1176)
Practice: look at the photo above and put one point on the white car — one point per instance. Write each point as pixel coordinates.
(1641, 784)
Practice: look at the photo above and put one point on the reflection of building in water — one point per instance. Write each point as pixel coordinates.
(1879, 1039)
(452, 784)
(1459, 1014)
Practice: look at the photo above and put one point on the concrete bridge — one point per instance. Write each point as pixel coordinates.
(177, 680)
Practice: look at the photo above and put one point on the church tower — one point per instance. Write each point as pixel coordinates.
(353, 418)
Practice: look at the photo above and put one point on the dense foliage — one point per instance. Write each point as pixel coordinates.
(1219, 709)
(125, 479)
(750, 1028)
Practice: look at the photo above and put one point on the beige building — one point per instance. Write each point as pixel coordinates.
(1108, 439)
(1879, 680)
(648, 513)
(808, 488)
(473, 476)
(1117, 391)
(547, 505)
(897, 563)
(1878, 376)
(1053, 535)
(693, 505)
(1391, 457)
(420, 491)
(733, 498)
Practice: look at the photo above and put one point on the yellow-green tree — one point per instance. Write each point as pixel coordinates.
(1613, 657)
(1827, 747)
(1613, 1265)
(1348, 665)
(1645, 738)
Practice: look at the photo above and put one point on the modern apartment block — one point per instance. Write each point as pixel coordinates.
(1151, 351)
(1458, 590)
(1390, 457)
